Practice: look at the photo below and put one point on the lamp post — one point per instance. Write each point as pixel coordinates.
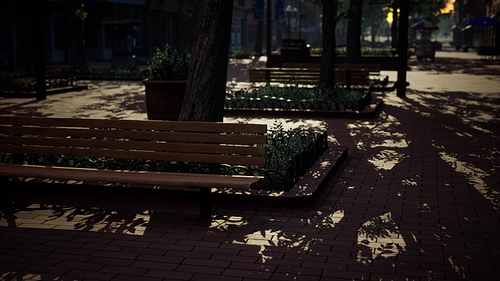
(402, 49)
(289, 11)
(268, 34)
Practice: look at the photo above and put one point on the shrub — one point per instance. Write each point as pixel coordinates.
(168, 65)
(301, 98)
(283, 145)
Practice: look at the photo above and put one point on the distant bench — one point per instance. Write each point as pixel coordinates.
(360, 75)
(198, 142)
(351, 78)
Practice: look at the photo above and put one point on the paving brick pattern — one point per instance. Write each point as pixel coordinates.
(417, 199)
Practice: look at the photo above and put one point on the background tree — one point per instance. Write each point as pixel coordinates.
(39, 25)
(79, 61)
(424, 9)
(206, 84)
(394, 7)
(327, 73)
(374, 19)
(353, 46)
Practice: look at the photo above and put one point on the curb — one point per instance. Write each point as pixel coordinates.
(305, 189)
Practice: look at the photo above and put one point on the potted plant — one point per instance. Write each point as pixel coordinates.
(166, 83)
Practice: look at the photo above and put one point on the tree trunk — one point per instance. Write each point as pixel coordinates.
(394, 25)
(258, 42)
(206, 84)
(353, 47)
(39, 26)
(403, 49)
(373, 34)
(79, 61)
(327, 74)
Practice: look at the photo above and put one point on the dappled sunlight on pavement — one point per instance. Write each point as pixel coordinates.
(103, 99)
(379, 237)
(95, 219)
(417, 199)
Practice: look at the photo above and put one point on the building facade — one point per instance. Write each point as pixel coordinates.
(476, 35)
(115, 28)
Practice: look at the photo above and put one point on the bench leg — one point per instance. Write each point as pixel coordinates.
(5, 199)
(206, 203)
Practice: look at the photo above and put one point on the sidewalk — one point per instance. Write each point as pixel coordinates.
(417, 199)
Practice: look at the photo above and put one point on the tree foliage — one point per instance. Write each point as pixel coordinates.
(79, 61)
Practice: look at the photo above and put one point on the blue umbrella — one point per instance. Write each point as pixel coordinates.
(424, 25)
(483, 21)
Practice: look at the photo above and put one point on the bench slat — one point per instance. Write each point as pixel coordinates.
(142, 155)
(132, 177)
(215, 127)
(135, 134)
(133, 145)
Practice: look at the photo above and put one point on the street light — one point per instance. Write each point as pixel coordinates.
(289, 11)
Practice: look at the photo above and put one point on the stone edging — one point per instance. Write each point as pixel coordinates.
(307, 187)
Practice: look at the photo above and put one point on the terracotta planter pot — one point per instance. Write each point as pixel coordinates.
(164, 99)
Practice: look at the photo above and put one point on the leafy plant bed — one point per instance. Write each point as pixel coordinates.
(290, 153)
(365, 51)
(25, 86)
(119, 73)
(298, 98)
(114, 74)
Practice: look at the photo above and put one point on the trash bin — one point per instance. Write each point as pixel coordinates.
(295, 50)
(425, 50)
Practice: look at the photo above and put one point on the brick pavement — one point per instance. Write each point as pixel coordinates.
(417, 199)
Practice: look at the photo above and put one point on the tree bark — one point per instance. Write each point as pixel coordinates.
(79, 61)
(39, 26)
(403, 49)
(353, 48)
(327, 74)
(394, 25)
(258, 42)
(206, 84)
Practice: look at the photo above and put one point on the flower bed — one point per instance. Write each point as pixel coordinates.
(365, 51)
(23, 85)
(131, 73)
(298, 98)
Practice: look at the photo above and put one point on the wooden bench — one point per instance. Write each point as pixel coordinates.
(367, 66)
(199, 142)
(351, 78)
(373, 68)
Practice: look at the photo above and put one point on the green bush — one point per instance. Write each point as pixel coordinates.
(300, 98)
(365, 51)
(283, 145)
(28, 84)
(168, 65)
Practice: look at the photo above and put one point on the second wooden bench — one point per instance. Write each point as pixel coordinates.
(350, 78)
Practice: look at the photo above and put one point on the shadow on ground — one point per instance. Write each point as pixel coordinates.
(458, 65)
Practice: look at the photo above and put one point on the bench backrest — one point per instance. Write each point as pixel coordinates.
(280, 75)
(202, 142)
(307, 75)
(373, 67)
